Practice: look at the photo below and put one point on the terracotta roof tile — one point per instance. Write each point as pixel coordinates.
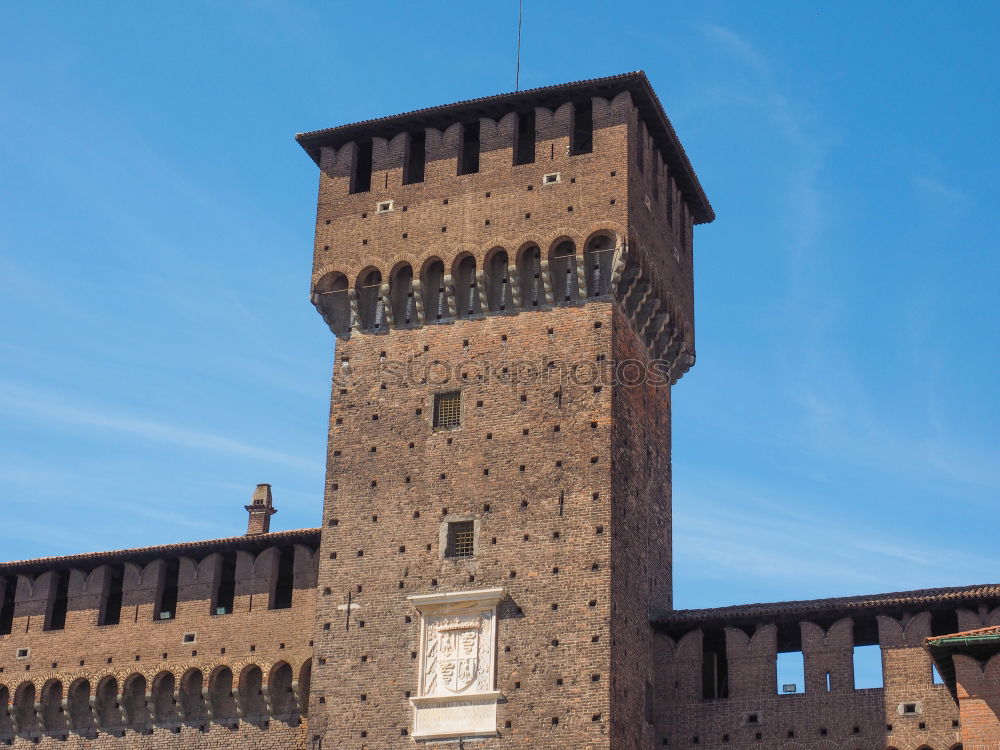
(992, 630)
(93, 559)
(871, 603)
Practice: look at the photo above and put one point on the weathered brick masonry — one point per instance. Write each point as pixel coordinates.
(510, 280)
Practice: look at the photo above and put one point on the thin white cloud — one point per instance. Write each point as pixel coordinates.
(40, 405)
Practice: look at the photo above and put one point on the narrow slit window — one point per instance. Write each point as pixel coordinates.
(468, 162)
(525, 151)
(226, 593)
(111, 607)
(448, 410)
(167, 609)
(361, 179)
(60, 602)
(415, 159)
(7, 605)
(461, 539)
(583, 128)
(281, 596)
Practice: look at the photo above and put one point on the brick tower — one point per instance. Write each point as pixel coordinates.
(510, 283)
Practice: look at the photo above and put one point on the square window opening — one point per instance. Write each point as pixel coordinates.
(461, 539)
(448, 410)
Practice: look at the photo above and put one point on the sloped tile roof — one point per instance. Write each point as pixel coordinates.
(871, 604)
(90, 560)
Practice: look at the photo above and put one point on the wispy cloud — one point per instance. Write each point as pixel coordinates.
(36, 404)
(938, 189)
(767, 539)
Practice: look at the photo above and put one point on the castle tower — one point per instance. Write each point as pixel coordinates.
(510, 283)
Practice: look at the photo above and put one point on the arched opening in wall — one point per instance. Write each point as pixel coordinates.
(524, 150)
(220, 694)
(166, 607)
(529, 275)
(134, 702)
(562, 266)
(416, 155)
(498, 291)
(163, 709)
(361, 172)
(404, 311)
(225, 589)
(284, 580)
(334, 303)
(280, 689)
(598, 256)
(9, 584)
(956, 747)
(371, 308)
(53, 717)
(466, 288)
(867, 654)
(583, 128)
(791, 670)
(6, 725)
(111, 597)
(714, 665)
(435, 294)
(81, 719)
(58, 602)
(192, 699)
(305, 684)
(24, 709)
(252, 705)
(109, 716)
(944, 622)
(468, 157)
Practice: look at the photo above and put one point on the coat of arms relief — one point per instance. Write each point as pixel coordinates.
(457, 656)
(456, 695)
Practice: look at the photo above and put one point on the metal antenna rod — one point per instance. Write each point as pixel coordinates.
(517, 73)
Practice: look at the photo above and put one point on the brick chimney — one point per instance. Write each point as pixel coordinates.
(260, 510)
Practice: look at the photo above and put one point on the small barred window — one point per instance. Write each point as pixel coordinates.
(447, 410)
(461, 539)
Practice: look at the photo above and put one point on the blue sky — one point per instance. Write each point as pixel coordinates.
(159, 356)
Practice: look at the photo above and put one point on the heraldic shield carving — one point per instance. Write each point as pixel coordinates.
(456, 695)
(453, 652)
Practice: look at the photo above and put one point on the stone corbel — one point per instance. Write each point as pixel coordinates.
(484, 304)
(515, 286)
(617, 267)
(449, 294)
(352, 298)
(418, 301)
(206, 702)
(651, 318)
(547, 297)
(387, 311)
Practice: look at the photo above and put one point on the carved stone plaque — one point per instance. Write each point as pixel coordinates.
(456, 695)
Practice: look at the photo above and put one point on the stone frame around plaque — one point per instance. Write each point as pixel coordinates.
(456, 683)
